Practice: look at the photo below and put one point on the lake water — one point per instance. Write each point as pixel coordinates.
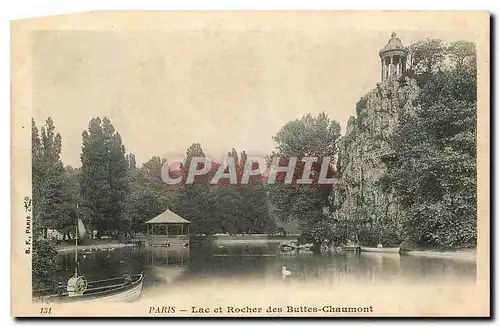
(260, 263)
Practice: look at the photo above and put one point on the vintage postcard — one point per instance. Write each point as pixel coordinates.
(251, 164)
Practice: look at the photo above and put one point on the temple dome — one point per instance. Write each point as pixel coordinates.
(393, 44)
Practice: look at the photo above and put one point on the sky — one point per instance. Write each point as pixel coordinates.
(166, 89)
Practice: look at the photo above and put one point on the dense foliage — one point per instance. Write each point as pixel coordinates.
(115, 198)
(53, 202)
(306, 137)
(103, 180)
(434, 174)
(44, 264)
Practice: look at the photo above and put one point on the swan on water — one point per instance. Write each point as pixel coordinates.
(285, 273)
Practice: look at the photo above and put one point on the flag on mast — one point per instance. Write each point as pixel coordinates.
(81, 229)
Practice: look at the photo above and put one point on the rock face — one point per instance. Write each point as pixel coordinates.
(362, 195)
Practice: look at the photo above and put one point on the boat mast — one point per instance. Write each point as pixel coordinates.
(76, 243)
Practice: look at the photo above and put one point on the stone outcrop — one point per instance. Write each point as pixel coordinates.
(368, 139)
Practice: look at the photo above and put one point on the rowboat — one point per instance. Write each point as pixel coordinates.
(287, 248)
(380, 249)
(290, 246)
(123, 289)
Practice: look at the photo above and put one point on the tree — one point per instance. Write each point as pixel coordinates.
(196, 202)
(228, 200)
(94, 184)
(255, 207)
(68, 220)
(306, 137)
(51, 206)
(104, 177)
(50, 184)
(463, 55)
(37, 177)
(426, 56)
(117, 176)
(242, 207)
(149, 195)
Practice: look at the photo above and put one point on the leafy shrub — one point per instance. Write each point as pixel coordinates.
(44, 264)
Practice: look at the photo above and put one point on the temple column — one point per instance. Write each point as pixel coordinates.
(392, 66)
(382, 68)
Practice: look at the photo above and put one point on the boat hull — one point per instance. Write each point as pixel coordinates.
(121, 294)
(125, 296)
(380, 250)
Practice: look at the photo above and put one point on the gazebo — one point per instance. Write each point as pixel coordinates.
(166, 230)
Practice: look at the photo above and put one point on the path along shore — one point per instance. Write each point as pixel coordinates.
(70, 248)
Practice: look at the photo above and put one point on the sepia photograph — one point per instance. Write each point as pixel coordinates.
(251, 164)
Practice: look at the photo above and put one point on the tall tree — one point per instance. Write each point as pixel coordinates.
(254, 208)
(228, 201)
(51, 201)
(50, 188)
(241, 207)
(37, 177)
(306, 137)
(104, 181)
(117, 176)
(196, 202)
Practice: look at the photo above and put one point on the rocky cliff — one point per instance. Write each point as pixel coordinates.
(362, 195)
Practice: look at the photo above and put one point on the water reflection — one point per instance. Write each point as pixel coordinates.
(216, 263)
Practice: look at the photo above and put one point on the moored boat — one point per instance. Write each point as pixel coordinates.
(123, 289)
(286, 247)
(126, 288)
(380, 249)
(289, 246)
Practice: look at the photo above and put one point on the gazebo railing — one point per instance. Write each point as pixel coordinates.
(167, 240)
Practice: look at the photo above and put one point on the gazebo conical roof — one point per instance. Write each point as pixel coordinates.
(168, 217)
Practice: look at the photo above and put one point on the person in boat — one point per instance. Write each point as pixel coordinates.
(61, 289)
(127, 279)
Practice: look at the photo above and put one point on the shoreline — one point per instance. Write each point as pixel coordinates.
(467, 255)
(249, 242)
(91, 247)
